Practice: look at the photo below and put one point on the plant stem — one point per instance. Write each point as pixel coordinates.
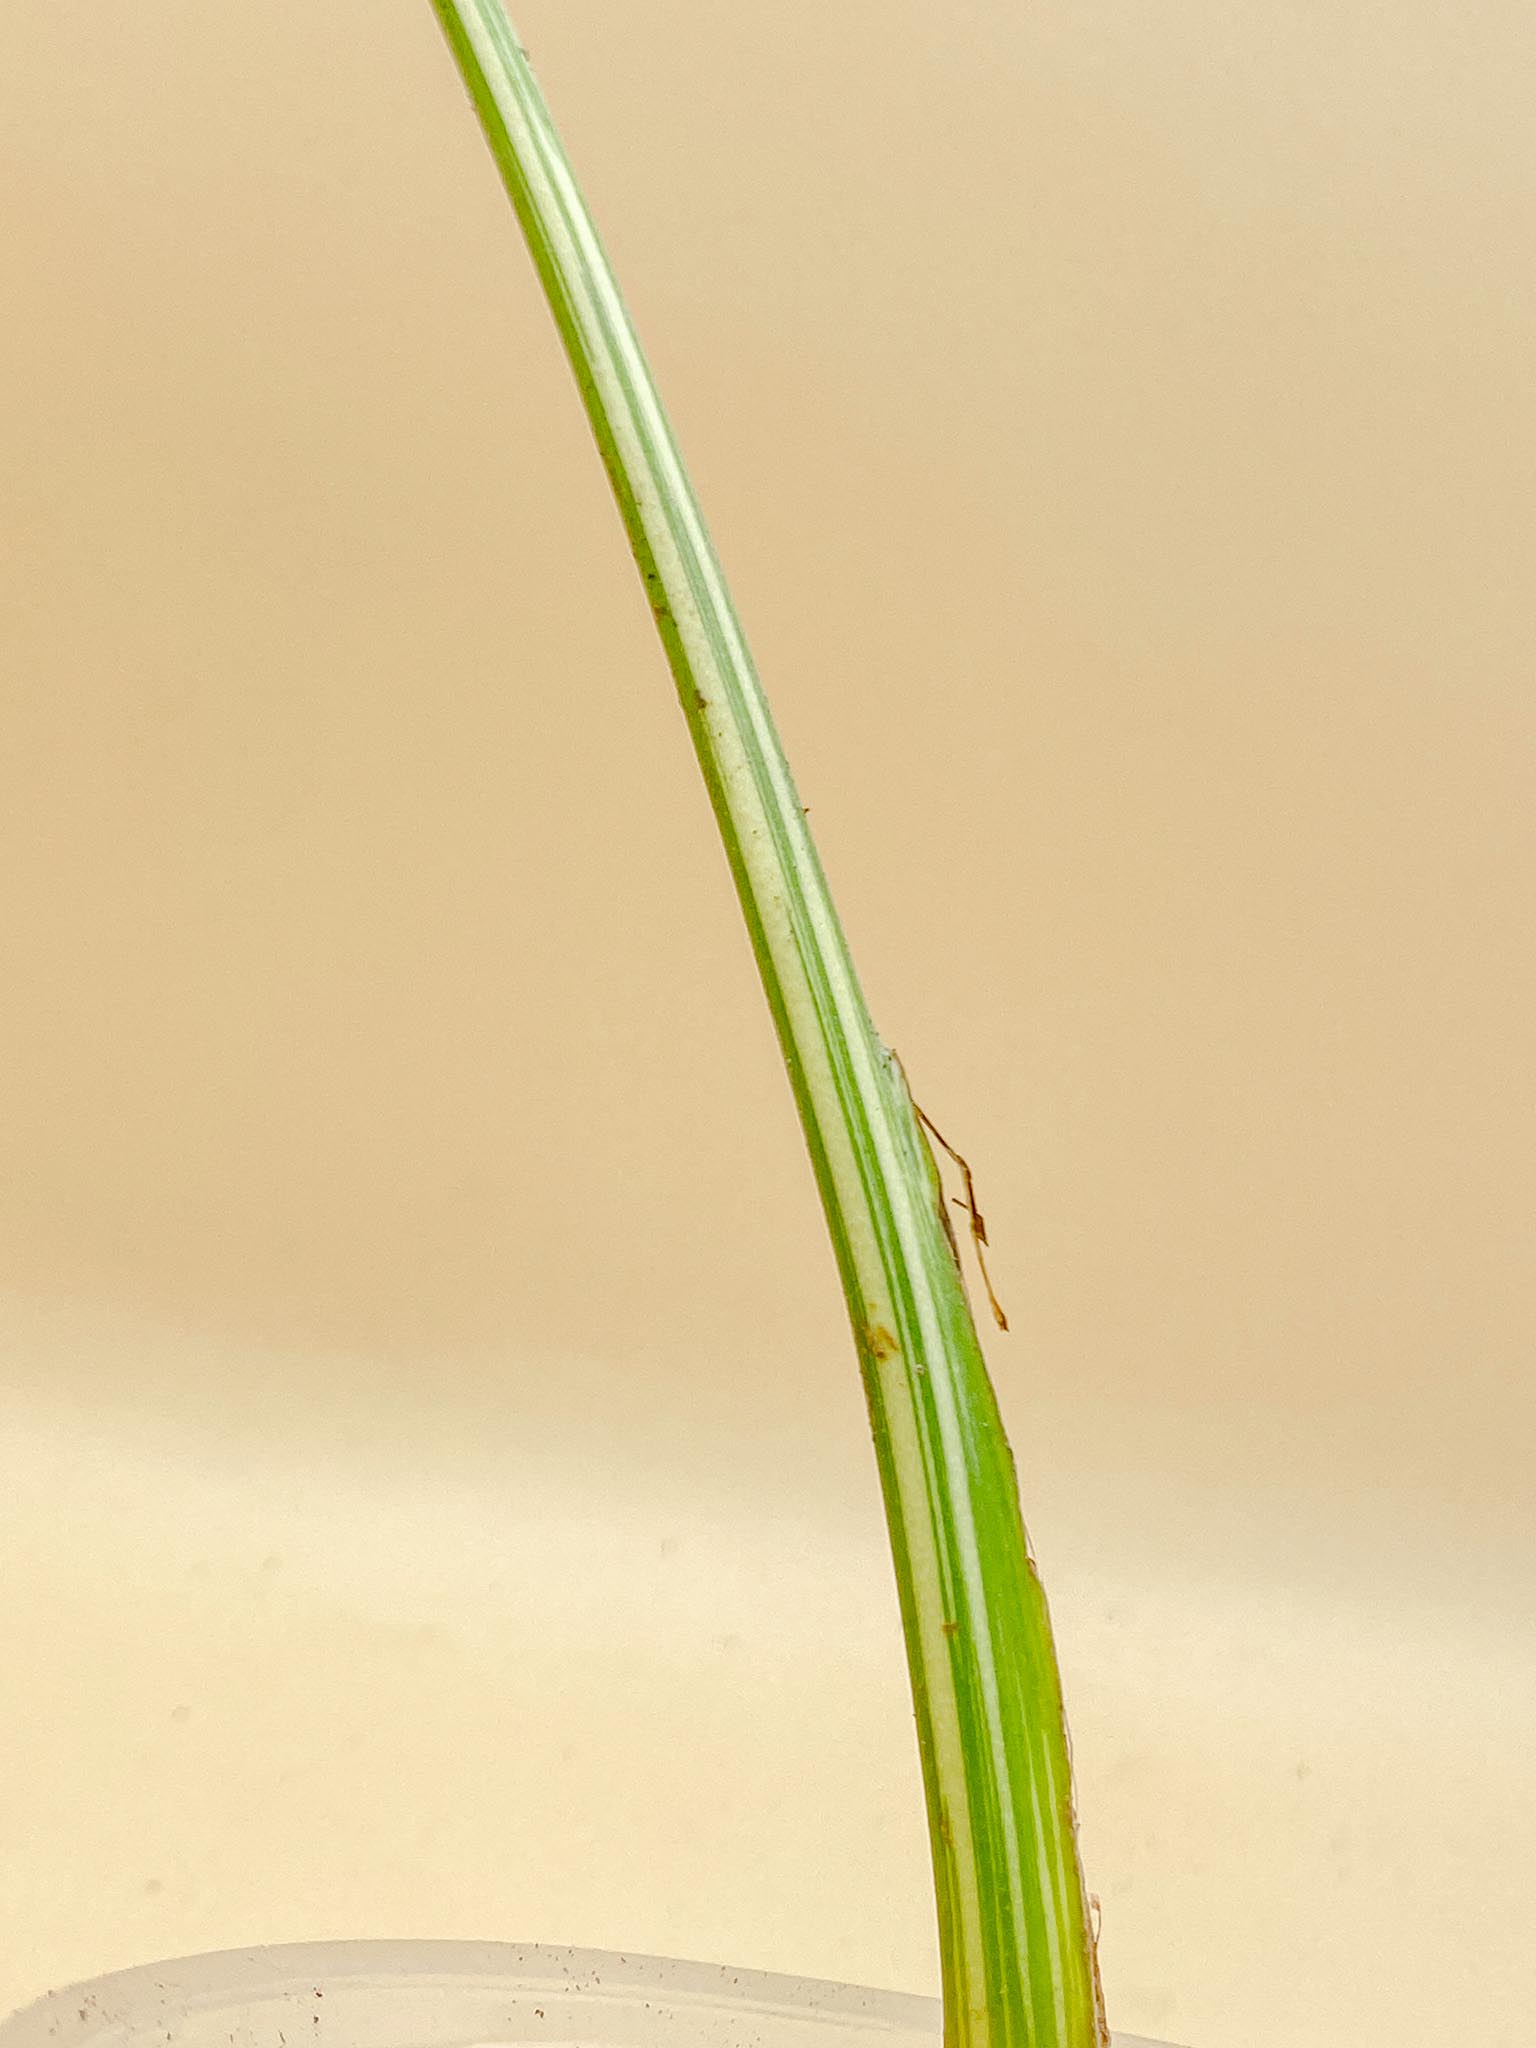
(1019, 1969)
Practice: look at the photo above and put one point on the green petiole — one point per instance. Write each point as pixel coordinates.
(1019, 1968)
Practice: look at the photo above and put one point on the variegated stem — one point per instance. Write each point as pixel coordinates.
(1018, 1961)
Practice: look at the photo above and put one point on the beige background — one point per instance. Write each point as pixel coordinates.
(435, 1495)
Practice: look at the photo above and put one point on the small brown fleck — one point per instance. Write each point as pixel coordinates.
(950, 1628)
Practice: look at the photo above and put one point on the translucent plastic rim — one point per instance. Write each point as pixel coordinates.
(462, 1994)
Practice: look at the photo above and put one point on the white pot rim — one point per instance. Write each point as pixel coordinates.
(467, 1994)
